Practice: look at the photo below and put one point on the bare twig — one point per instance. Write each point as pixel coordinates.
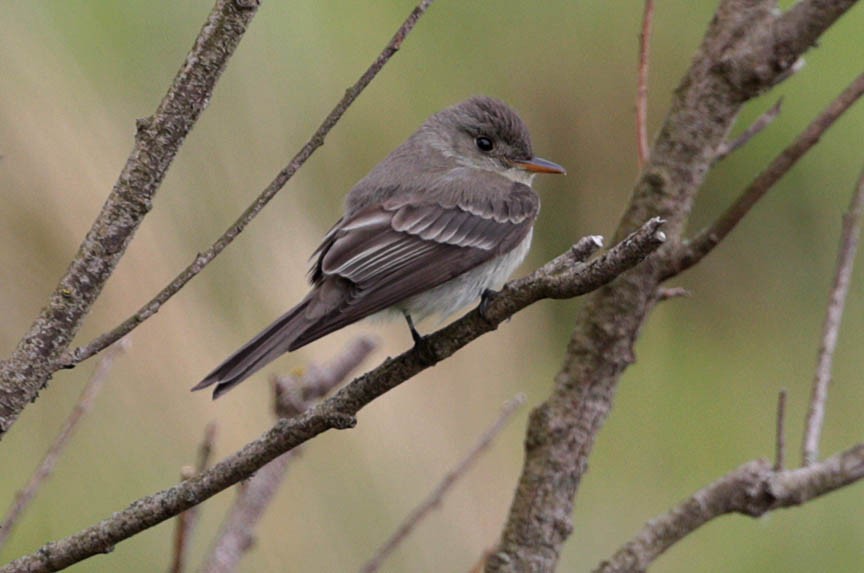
(236, 535)
(294, 395)
(187, 520)
(780, 444)
(339, 410)
(666, 293)
(157, 141)
(753, 489)
(46, 467)
(831, 328)
(728, 147)
(434, 499)
(748, 48)
(642, 89)
(184, 524)
(706, 240)
(203, 259)
(205, 450)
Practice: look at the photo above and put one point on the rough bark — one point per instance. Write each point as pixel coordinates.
(157, 139)
(565, 276)
(749, 47)
(753, 489)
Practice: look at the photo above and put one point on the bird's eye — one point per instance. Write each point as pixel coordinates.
(484, 144)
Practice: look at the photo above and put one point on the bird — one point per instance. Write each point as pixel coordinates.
(441, 222)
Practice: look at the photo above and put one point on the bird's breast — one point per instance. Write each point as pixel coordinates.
(465, 289)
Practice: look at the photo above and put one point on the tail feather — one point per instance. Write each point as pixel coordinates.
(268, 345)
(320, 313)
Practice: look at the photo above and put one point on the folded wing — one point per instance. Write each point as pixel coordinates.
(384, 254)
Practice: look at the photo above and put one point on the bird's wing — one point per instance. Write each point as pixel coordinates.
(385, 253)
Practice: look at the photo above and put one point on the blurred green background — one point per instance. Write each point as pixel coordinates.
(700, 401)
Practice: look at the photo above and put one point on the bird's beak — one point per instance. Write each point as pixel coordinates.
(538, 165)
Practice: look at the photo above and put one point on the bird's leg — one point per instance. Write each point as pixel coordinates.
(486, 298)
(418, 339)
(425, 351)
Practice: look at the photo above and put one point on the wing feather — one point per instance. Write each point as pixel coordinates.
(390, 251)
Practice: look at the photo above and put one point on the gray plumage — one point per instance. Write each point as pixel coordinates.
(437, 222)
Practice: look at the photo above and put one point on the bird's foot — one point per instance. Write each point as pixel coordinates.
(486, 298)
(418, 338)
(421, 343)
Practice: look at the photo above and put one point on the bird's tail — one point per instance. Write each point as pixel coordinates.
(269, 344)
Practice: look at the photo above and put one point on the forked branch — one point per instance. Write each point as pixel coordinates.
(157, 141)
(753, 489)
(204, 258)
(560, 278)
(703, 243)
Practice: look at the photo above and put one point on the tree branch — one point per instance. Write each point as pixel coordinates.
(706, 240)
(187, 520)
(753, 489)
(203, 259)
(831, 329)
(563, 277)
(642, 87)
(728, 147)
(747, 49)
(293, 396)
(435, 498)
(757, 487)
(46, 466)
(780, 433)
(157, 140)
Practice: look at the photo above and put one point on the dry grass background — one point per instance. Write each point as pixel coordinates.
(75, 75)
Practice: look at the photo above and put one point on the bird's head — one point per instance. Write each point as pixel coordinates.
(485, 133)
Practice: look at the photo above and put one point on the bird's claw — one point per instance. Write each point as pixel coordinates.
(486, 298)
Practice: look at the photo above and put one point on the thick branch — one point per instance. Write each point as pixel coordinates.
(203, 259)
(157, 140)
(560, 278)
(753, 489)
(748, 48)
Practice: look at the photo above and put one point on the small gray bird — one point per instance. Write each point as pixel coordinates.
(445, 218)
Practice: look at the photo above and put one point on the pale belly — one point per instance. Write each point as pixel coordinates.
(461, 291)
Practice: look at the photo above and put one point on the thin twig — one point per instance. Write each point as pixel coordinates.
(753, 489)
(780, 444)
(747, 48)
(706, 240)
(339, 411)
(184, 524)
(203, 259)
(667, 293)
(292, 397)
(434, 499)
(763, 121)
(205, 450)
(187, 520)
(46, 467)
(833, 317)
(642, 88)
(157, 140)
